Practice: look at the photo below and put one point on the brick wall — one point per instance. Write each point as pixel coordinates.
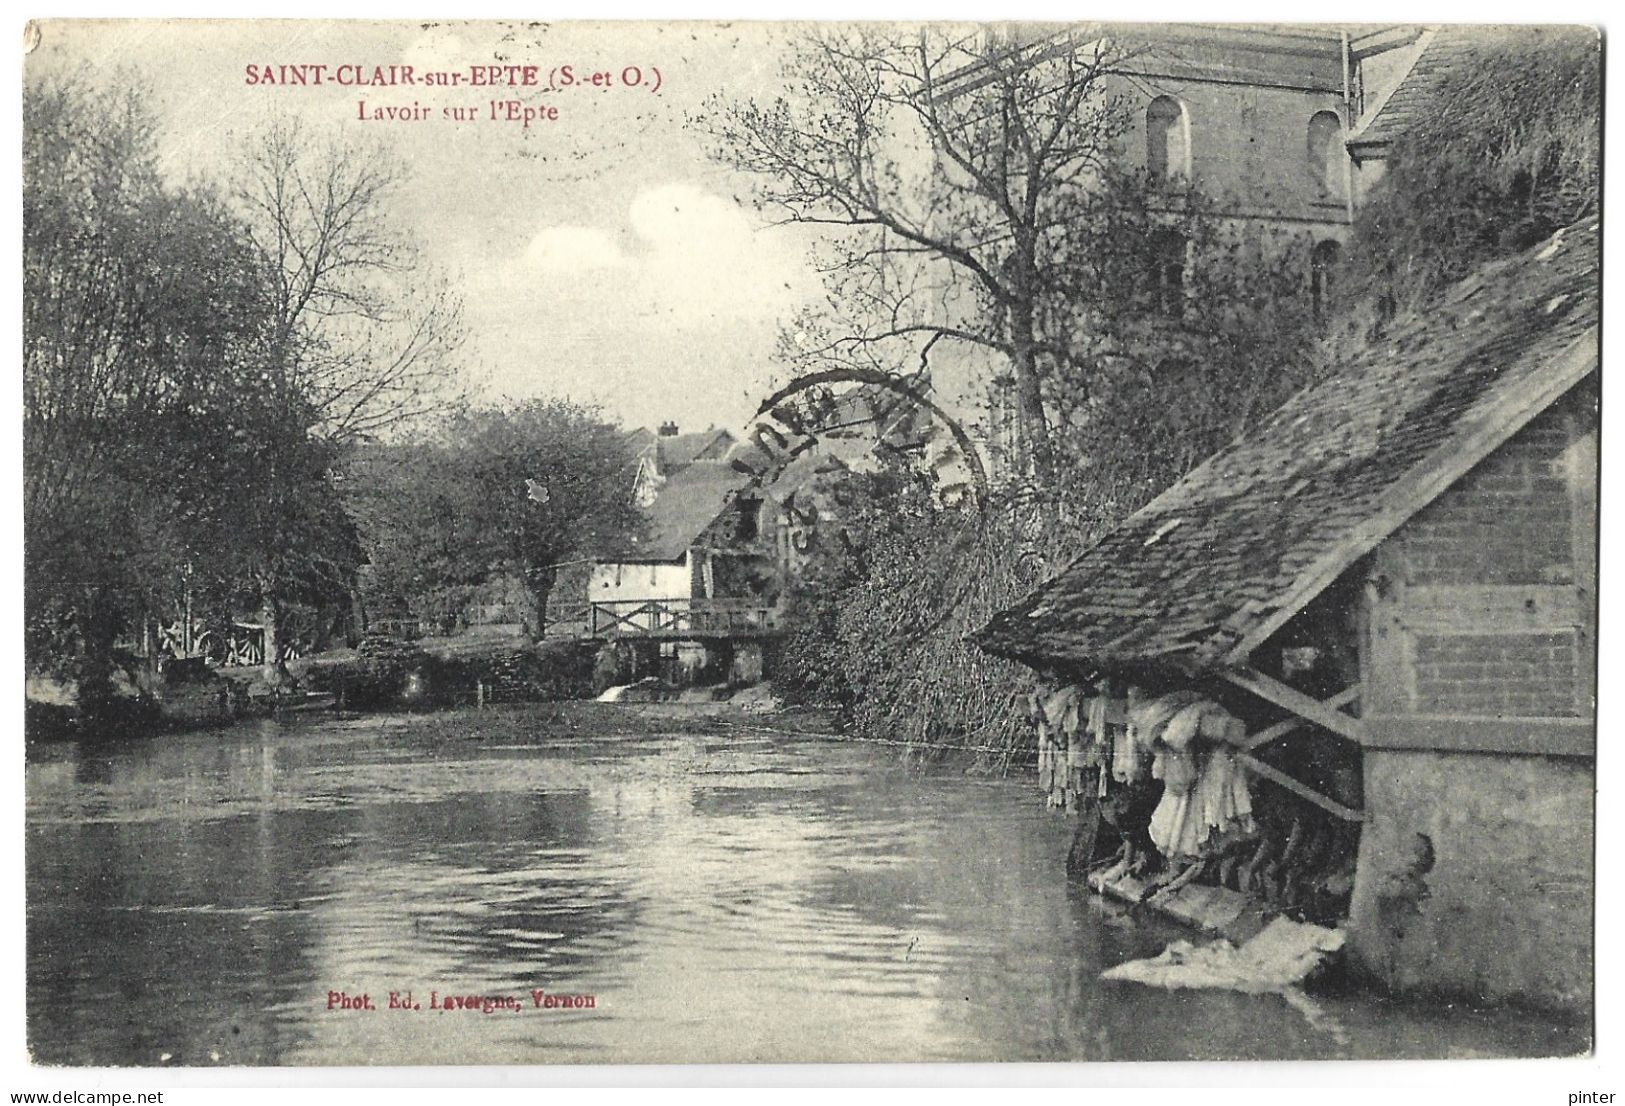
(1507, 675)
(1475, 871)
(1507, 522)
(1483, 609)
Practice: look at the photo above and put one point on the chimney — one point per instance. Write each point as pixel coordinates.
(668, 430)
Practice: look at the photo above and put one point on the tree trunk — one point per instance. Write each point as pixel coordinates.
(94, 675)
(1035, 460)
(276, 671)
(150, 682)
(357, 620)
(539, 584)
(1032, 424)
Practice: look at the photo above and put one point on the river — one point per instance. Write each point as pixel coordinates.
(736, 896)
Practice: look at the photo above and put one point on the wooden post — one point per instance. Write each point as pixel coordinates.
(1296, 702)
(1303, 791)
(1293, 722)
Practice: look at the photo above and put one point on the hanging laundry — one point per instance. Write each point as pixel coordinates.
(1131, 759)
(1046, 740)
(1058, 714)
(1098, 711)
(1219, 725)
(1061, 708)
(1174, 830)
(1225, 803)
(1205, 803)
(1176, 761)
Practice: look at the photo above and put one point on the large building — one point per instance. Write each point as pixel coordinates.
(1255, 119)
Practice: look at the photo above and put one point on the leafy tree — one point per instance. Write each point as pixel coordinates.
(140, 301)
(164, 439)
(259, 507)
(876, 624)
(1184, 328)
(1508, 152)
(498, 491)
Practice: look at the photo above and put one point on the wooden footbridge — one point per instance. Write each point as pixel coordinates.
(663, 619)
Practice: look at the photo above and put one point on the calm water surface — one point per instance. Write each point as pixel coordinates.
(192, 900)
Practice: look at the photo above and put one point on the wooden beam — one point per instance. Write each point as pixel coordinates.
(1374, 108)
(1294, 722)
(1381, 41)
(1550, 737)
(1478, 436)
(1302, 790)
(1291, 699)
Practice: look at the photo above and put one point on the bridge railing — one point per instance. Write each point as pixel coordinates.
(661, 618)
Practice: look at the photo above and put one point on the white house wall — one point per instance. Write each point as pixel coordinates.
(634, 580)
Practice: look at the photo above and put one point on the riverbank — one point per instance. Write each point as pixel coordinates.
(749, 717)
(382, 674)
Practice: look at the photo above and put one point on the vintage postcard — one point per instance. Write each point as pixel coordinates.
(639, 543)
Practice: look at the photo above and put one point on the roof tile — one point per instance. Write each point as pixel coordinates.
(1217, 553)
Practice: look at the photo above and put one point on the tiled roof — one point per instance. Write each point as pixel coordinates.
(855, 425)
(687, 502)
(1199, 576)
(1415, 95)
(639, 440)
(680, 450)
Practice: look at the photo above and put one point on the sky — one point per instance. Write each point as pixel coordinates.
(600, 256)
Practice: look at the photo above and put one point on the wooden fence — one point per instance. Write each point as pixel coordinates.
(662, 618)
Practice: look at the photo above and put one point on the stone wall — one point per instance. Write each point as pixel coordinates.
(1476, 877)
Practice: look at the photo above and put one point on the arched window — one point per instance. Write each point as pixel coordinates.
(1326, 154)
(1168, 272)
(1323, 264)
(1167, 139)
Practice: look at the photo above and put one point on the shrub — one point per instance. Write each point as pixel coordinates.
(1508, 154)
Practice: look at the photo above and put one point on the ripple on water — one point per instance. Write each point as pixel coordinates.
(722, 899)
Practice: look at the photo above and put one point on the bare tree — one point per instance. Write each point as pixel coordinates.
(950, 161)
(360, 333)
(973, 193)
(361, 340)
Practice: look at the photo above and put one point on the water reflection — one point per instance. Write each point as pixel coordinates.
(723, 899)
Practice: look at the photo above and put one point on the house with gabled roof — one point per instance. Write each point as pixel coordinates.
(1423, 521)
(683, 485)
(657, 454)
(724, 522)
(669, 561)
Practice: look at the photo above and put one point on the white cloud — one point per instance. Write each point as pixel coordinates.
(694, 259)
(665, 306)
(572, 250)
(679, 217)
